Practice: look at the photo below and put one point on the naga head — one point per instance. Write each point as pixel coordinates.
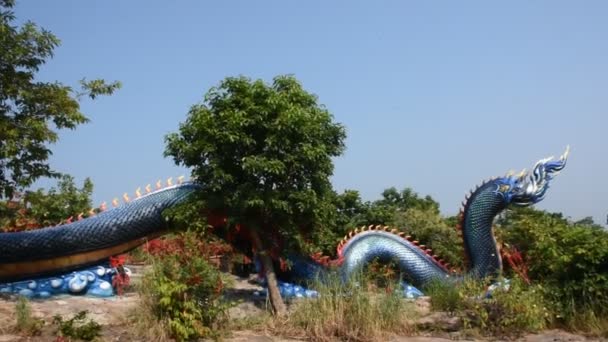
(528, 188)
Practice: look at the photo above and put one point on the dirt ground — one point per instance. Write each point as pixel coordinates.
(112, 315)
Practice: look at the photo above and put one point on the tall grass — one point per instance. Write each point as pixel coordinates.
(26, 323)
(147, 322)
(583, 320)
(350, 312)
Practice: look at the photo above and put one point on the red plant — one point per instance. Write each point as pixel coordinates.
(161, 247)
(118, 261)
(219, 286)
(120, 281)
(516, 261)
(121, 278)
(177, 246)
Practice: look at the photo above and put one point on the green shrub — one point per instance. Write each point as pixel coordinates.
(77, 327)
(444, 297)
(511, 312)
(570, 260)
(508, 312)
(184, 292)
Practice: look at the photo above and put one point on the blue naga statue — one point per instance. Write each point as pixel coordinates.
(66, 258)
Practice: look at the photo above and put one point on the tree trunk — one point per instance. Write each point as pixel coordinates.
(276, 301)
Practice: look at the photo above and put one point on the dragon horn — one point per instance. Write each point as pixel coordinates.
(566, 153)
(522, 173)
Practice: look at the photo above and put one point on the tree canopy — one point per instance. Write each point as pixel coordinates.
(262, 154)
(36, 209)
(32, 111)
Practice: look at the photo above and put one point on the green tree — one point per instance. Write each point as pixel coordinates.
(337, 215)
(404, 209)
(262, 154)
(587, 221)
(44, 208)
(393, 202)
(31, 112)
(428, 227)
(60, 203)
(407, 199)
(569, 259)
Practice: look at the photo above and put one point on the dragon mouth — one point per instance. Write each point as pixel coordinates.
(530, 188)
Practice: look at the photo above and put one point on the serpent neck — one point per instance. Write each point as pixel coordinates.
(479, 242)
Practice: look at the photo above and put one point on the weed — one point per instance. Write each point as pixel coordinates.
(583, 320)
(444, 297)
(77, 327)
(252, 322)
(350, 311)
(508, 312)
(25, 322)
(183, 293)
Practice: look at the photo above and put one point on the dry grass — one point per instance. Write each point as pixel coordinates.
(588, 323)
(143, 318)
(347, 312)
(26, 323)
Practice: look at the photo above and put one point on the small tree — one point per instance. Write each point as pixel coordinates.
(262, 153)
(41, 208)
(32, 111)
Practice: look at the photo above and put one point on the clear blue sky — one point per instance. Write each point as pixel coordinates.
(435, 95)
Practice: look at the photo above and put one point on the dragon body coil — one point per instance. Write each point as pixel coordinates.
(91, 241)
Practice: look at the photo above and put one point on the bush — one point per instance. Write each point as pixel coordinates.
(444, 297)
(508, 312)
(381, 274)
(570, 260)
(37, 209)
(77, 327)
(184, 292)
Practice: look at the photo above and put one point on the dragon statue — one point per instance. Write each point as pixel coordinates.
(72, 257)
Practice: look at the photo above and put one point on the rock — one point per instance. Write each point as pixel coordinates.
(423, 305)
(439, 321)
(38, 314)
(244, 310)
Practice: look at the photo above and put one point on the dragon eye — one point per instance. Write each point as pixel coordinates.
(504, 188)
